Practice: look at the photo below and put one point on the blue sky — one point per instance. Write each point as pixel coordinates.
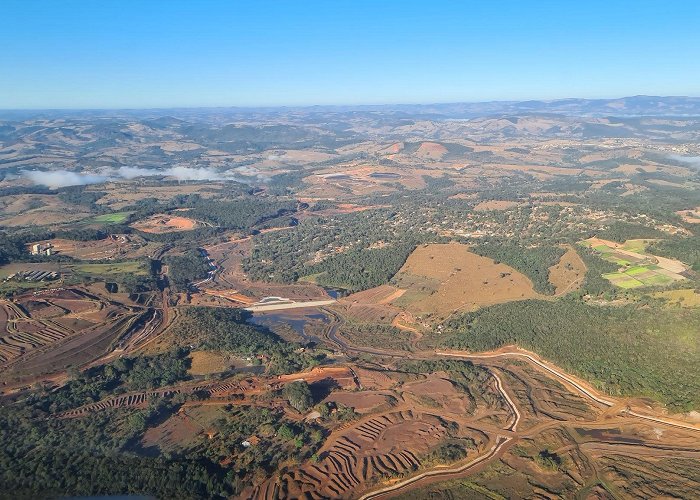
(150, 53)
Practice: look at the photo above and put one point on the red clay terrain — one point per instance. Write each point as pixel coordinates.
(512, 407)
(42, 332)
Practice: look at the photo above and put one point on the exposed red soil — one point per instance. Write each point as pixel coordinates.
(431, 150)
(362, 402)
(160, 224)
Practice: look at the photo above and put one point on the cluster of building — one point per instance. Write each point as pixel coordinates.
(42, 249)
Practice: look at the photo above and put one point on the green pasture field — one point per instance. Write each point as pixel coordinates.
(637, 277)
(114, 218)
(617, 260)
(7, 287)
(637, 246)
(622, 280)
(658, 279)
(637, 270)
(135, 267)
(631, 283)
(683, 298)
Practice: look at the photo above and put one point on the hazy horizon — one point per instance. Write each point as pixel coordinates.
(356, 105)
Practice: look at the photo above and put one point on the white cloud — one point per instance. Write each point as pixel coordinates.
(62, 178)
(193, 174)
(180, 173)
(133, 172)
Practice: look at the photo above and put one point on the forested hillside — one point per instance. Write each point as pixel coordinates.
(624, 350)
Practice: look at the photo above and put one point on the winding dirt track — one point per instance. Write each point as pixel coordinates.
(513, 409)
(516, 353)
(585, 391)
(501, 441)
(590, 393)
(444, 470)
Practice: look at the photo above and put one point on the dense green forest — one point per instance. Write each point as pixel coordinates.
(50, 458)
(533, 262)
(44, 457)
(122, 375)
(298, 395)
(624, 350)
(189, 238)
(242, 214)
(353, 251)
(78, 195)
(684, 249)
(11, 248)
(227, 330)
(222, 329)
(186, 268)
(361, 269)
(623, 231)
(285, 184)
(285, 256)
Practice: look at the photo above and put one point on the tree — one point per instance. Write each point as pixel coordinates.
(286, 432)
(299, 395)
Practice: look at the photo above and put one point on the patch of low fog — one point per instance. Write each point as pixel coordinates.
(180, 173)
(134, 172)
(693, 161)
(62, 178)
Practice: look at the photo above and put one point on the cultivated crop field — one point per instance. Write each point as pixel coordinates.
(637, 268)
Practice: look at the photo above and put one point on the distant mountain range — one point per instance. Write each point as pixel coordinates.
(625, 106)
